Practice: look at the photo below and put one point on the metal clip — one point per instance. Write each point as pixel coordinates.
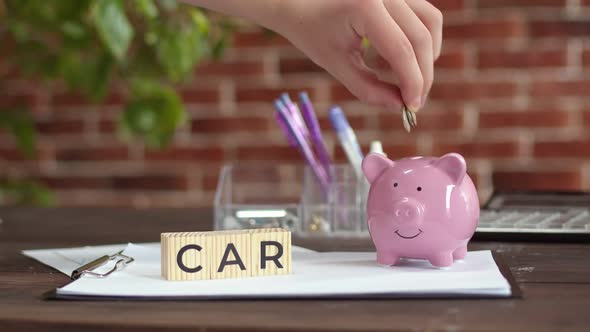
(88, 269)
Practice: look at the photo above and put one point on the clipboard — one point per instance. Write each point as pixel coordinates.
(502, 268)
(516, 293)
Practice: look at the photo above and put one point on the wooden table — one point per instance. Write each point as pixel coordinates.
(554, 278)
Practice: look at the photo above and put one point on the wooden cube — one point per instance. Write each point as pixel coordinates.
(271, 251)
(230, 254)
(225, 254)
(185, 256)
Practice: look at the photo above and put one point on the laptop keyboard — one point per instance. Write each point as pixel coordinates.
(573, 220)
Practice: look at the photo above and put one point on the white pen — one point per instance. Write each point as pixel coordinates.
(377, 147)
(347, 139)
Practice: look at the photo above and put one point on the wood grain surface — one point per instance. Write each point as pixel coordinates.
(554, 278)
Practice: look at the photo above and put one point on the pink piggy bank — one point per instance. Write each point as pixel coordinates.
(420, 207)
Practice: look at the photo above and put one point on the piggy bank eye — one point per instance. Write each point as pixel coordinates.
(395, 184)
(419, 188)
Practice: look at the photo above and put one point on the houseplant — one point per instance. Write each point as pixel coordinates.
(144, 47)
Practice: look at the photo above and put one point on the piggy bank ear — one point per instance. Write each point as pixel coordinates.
(374, 165)
(454, 165)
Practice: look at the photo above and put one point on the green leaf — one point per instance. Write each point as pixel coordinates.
(25, 192)
(153, 114)
(74, 30)
(22, 128)
(218, 48)
(178, 50)
(113, 26)
(169, 5)
(147, 8)
(199, 20)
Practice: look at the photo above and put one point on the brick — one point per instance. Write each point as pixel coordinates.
(230, 68)
(186, 154)
(150, 182)
(339, 93)
(484, 30)
(357, 122)
(427, 120)
(199, 95)
(586, 117)
(107, 126)
(451, 59)
(260, 173)
(524, 59)
(258, 38)
(586, 57)
(461, 91)
(270, 153)
(539, 119)
(564, 28)
(397, 151)
(75, 182)
(11, 154)
(28, 100)
(74, 99)
(267, 95)
(393, 151)
(521, 3)
(15, 154)
(228, 125)
(478, 150)
(62, 126)
(562, 149)
(135, 182)
(103, 153)
(296, 66)
(521, 180)
(210, 182)
(448, 5)
(574, 88)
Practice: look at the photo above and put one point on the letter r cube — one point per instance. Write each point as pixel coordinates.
(271, 251)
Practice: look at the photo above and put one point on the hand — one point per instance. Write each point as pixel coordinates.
(406, 33)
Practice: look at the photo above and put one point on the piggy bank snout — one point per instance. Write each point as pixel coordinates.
(408, 211)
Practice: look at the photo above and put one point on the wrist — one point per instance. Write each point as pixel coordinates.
(266, 13)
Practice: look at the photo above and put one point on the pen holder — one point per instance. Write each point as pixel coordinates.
(258, 195)
(339, 209)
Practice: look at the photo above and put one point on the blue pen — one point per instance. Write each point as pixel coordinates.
(315, 132)
(292, 131)
(347, 139)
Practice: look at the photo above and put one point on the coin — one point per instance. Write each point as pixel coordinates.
(409, 120)
(405, 121)
(414, 121)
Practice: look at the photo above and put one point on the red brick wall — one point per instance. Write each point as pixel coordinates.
(511, 94)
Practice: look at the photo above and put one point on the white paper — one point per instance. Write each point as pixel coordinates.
(66, 260)
(314, 275)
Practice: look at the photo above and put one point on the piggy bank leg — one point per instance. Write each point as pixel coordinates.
(443, 259)
(386, 258)
(460, 253)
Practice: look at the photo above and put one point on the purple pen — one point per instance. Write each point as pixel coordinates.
(304, 148)
(314, 131)
(295, 114)
(283, 127)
